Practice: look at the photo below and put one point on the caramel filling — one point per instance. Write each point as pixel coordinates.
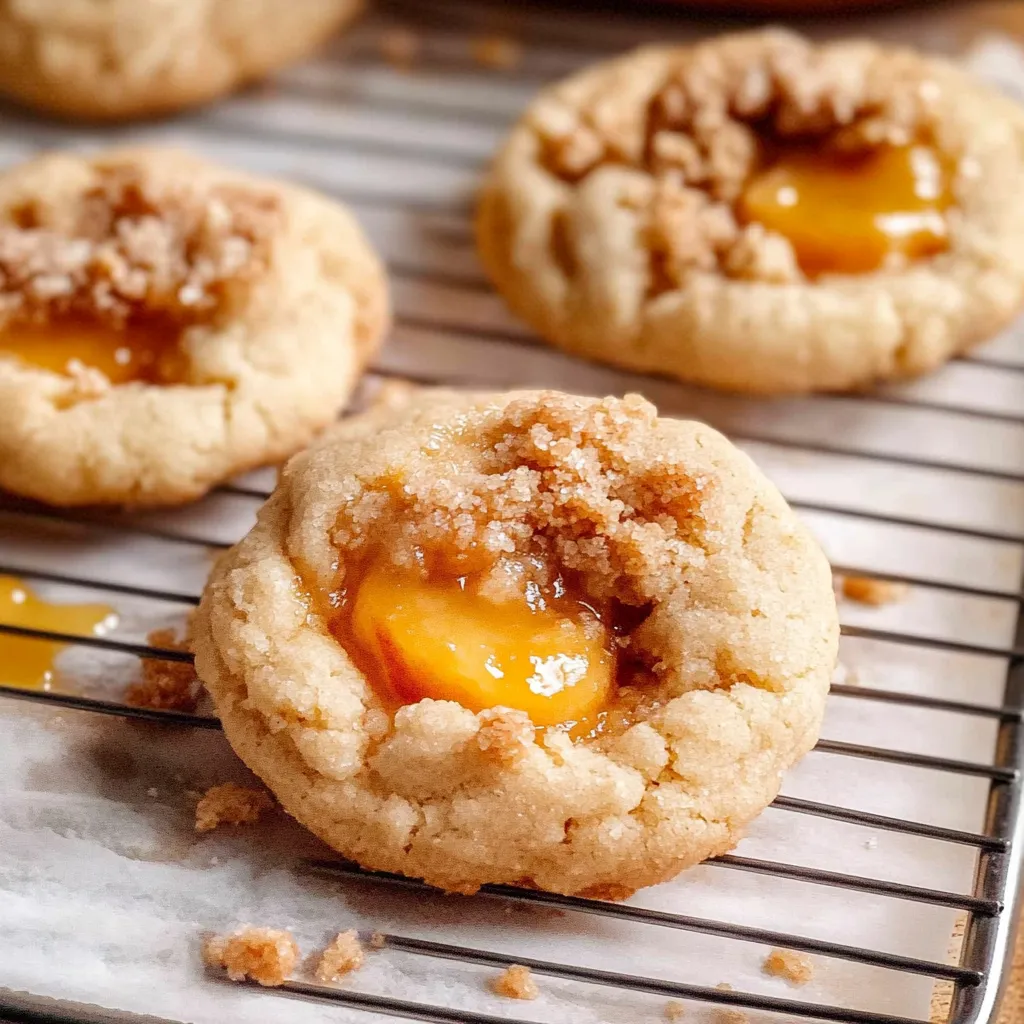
(145, 354)
(26, 662)
(849, 214)
(548, 654)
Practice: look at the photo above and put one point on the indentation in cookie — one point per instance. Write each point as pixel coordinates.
(718, 158)
(106, 283)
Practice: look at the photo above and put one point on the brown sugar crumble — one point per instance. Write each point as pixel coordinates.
(674, 1010)
(230, 804)
(497, 52)
(793, 967)
(267, 955)
(720, 110)
(341, 957)
(400, 47)
(165, 685)
(516, 982)
(865, 590)
(133, 247)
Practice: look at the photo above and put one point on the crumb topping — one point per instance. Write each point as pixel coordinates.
(788, 964)
(165, 685)
(231, 804)
(546, 487)
(132, 248)
(866, 590)
(267, 955)
(341, 957)
(516, 982)
(712, 120)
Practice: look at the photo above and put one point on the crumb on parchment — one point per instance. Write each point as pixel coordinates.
(866, 590)
(267, 955)
(230, 804)
(378, 940)
(516, 982)
(793, 967)
(165, 685)
(674, 1010)
(728, 1014)
(341, 957)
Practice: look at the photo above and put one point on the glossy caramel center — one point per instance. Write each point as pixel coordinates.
(849, 214)
(145, 354)
(546, 654)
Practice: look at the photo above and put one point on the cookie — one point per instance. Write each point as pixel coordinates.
(166, 323)
(759, 213)
(115, 59)
(521, 638)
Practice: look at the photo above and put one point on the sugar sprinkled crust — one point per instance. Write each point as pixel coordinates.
(275, 295)
(115, 59)
(608, 222)
(267, 955)
(738, 647)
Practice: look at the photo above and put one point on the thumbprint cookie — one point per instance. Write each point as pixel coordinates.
(522, 638)
(166, 323)
(760, 213)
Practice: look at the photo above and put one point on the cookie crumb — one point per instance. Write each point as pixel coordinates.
(341, 957)
(378, 940)
(516, 982)
(267, 955)
(866, 590)
(728, 1014)
(230, 804)
(497, 52)
(793, 967)
(165, 685)
(400, 47)
(674, 1010)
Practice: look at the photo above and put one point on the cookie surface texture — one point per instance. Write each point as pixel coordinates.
(724, 661)
(116, 59)
(255, 303)
(616, 217)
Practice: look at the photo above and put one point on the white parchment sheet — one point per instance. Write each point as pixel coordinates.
(106, 891)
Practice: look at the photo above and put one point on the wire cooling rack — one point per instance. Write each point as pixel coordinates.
(920, 483)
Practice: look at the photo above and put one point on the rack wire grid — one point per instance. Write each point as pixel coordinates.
(921, 483)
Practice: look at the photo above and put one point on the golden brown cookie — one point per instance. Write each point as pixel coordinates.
(166, 323)
(117, 59)
(526, 638)
(760, 213)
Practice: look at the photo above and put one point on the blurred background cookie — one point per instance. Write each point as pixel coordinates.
(115, 59)
(166, 323)
(761, 213)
